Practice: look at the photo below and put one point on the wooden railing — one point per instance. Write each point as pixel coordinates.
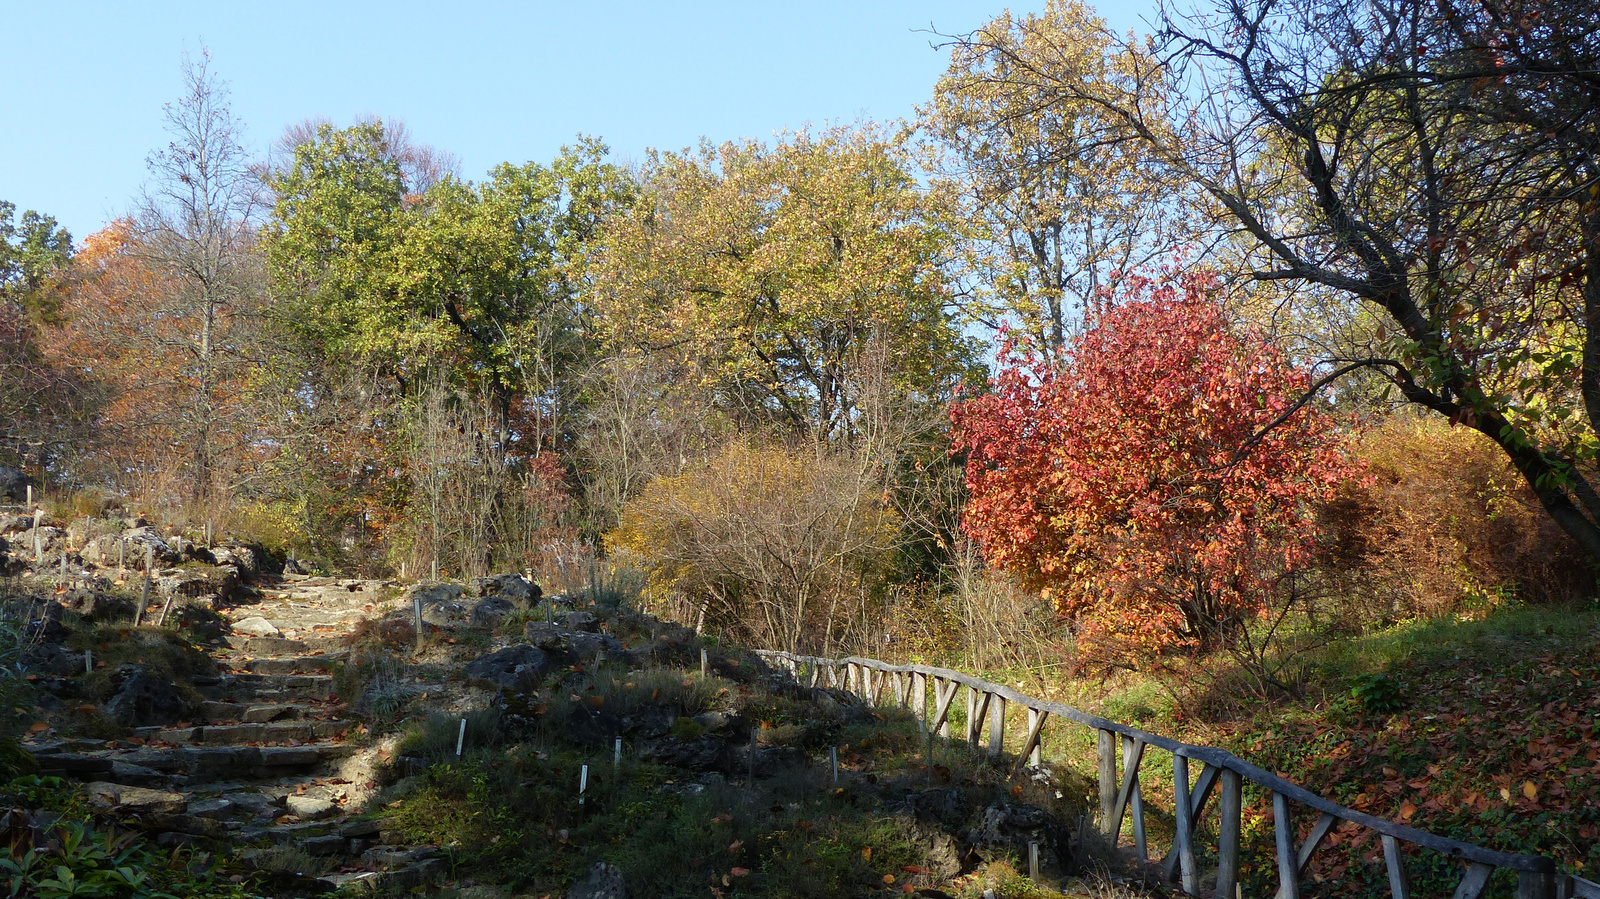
(1223, 774)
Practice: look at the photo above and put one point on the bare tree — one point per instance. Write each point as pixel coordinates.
(194, 229)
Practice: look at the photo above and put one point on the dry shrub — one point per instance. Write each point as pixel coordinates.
(1443, 521)
(777, 547)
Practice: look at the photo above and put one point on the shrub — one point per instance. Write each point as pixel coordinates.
(1444, 522)
(1159, 482)
(776, 546)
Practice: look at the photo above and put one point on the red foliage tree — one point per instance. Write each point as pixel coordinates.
(1129, 483)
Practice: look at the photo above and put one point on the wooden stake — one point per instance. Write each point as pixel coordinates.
(461, 737)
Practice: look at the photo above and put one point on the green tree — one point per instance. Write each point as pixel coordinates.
(46, 405)
(1054, 194)
(776, 278)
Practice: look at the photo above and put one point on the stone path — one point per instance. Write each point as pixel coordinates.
(272, 759)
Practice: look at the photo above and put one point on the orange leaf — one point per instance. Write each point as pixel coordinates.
(739, 872)
(1530, 791)
(866, 853)
(888, 878)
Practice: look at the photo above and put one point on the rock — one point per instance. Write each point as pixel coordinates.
(308, 809)
(94, 605)
(246, 560)
(14, 484)
(140, 699)
(441, 603)
(568, 647)
(705, 754)
(53, 659)
(326, 844)
(205, 580)
(41, 618)
(53, 539)
(256, 626)
(385, 859)
(144, 538)
(604, 881)
(518, 668)
(582, 621)
(210, 808)
(1007, 829)
(512, 587)
(488, 611)
(137, 799)
(83, 530)
(10, 524)
(101, 552)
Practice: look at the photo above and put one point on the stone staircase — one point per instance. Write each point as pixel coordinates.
(272, 760)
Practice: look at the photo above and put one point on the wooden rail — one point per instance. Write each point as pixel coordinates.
(1223, 774)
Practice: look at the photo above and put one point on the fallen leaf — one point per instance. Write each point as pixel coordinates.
(866, 853)
(888, 878)
(734, 846)
(739, 872)
(1505, 794)
(1530, 791)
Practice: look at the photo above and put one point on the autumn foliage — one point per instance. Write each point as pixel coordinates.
(1128, 482)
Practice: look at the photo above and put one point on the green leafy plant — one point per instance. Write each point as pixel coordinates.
(1378, 694)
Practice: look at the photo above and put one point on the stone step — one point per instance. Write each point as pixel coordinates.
(216, 712)
(283, 646)
(196, 768)
(236, 734)
(272, 688)
(295, 665)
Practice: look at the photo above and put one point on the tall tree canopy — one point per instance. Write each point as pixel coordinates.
(1434, 161)
(1054, 195)
(776, 275)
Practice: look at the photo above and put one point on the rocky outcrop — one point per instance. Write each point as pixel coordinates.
(14, 484)
(141, 699)
(516, 668)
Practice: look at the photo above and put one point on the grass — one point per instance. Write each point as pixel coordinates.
(508, 810)
(1483, 727)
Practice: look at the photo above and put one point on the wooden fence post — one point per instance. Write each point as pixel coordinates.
(1288, 859)
(1106, 752)
(919, 695)
(1229, 809)
(1033, 746)
(997, 725)
(1182, 814)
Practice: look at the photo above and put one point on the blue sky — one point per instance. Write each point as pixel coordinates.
(83, 84)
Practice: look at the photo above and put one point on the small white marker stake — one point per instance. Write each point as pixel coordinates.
(88, 661)
(703, 664)
(583, 783)
(461, 737)
(833, 762)
(616, 756)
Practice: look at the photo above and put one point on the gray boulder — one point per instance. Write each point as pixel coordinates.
(441, 603)
(141, 700)
(570, 647)
(604, 881)
(145, 538)
(84, 529)
(14, 484)
(518, 668)
(94, 605)
(488, 611)
(513, 587)
(1007, 829)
